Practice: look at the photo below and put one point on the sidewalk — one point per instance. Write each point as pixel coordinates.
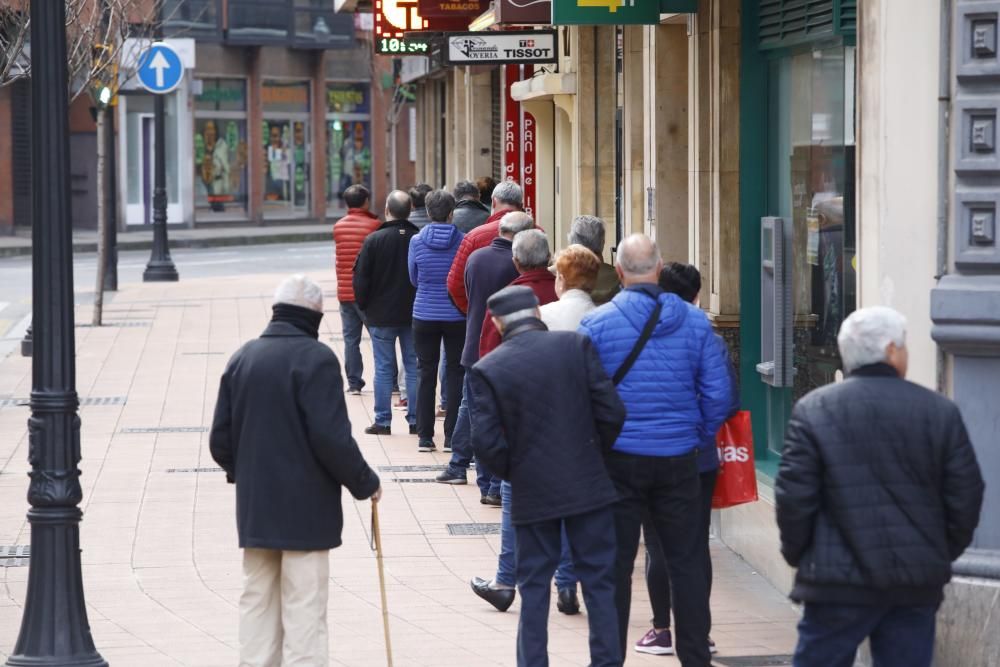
(201, 237)
(161, 568)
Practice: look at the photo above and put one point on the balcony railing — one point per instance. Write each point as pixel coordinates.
(305, 24)
(302, 24)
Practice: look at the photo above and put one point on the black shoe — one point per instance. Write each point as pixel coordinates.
(492, 501)
(567, 602)
(426, 446)
(378, 429)
(413, 429)
(354, 391)
(501, 598)
(447, 478)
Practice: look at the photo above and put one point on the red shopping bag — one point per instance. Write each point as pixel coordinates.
(737, 480)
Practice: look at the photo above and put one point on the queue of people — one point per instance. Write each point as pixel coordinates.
(589, 396)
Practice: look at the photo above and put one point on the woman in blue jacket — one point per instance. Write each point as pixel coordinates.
(435, 317)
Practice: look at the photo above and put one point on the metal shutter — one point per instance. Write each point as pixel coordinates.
(21, 150)
(784, 23)
(497, 124)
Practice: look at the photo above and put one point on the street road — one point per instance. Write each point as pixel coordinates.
(15, 275)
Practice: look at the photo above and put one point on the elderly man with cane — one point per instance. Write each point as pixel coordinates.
(543, 414)
(282, 435)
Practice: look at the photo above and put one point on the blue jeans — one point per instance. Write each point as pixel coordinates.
(384, 346)
(352, 323)
(507, 561)
(461, 449)
(829, 635)
(443, 380)
(592, 539)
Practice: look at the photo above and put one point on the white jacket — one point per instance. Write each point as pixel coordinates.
(566, 313)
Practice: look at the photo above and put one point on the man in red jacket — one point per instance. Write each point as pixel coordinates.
(349, 234)
(507, 197)
(531, 259)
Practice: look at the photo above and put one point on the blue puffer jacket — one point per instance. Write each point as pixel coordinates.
(679, 389)
(430, 258)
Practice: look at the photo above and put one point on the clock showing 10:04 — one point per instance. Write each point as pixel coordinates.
(401, 45)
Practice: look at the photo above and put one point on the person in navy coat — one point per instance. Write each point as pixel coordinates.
(544, 413)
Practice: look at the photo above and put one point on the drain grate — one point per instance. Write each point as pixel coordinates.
(121, 323)
(89, 401)
(194, 469)
(413, 480)
(167, 429)
(755, 661)
(15, 556)
(103, 400)
(473, 528)
(423, 468)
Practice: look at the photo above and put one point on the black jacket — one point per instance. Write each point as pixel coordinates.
(382, 287)
(877, 493)
(281, 433)
(469, 214)
(544, 413)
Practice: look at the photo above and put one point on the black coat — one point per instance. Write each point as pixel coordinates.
(469, 214)
(877, 493)
(282, 435)
(544, 413)
(382, 287)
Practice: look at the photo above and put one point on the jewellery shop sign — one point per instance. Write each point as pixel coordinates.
(490, 48)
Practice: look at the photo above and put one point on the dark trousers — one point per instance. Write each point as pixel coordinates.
(657, 577)
(829, 635)
(352, 322)
(669, 491)
(592, 542)
(427, 339)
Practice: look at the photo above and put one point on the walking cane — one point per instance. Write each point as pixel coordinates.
(377, 546)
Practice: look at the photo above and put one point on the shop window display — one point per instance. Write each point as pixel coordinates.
(349, 160)
(220, 149)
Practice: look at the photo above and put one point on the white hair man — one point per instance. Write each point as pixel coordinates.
(507, 197)
(673, 377)
(281, 431)
(877, 493)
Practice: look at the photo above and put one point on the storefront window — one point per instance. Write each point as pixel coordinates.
(220, 150)
(811, 183)
(286, 149)
(140, 159)
(348, 134)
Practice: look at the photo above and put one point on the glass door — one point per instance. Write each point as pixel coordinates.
(286, 173)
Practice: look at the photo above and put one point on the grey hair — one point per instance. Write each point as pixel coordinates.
(466, 190)
(588, 231)
(515, 222)
(638, 255)
(866, 333)
(508, 192)
(531, 249)
(299, 290)
(516, 316)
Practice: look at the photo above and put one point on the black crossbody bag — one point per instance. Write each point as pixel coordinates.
(647, 333)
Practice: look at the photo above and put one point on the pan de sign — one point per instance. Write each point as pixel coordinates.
(490, 48)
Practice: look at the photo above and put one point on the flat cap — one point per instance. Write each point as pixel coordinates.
(511, 300)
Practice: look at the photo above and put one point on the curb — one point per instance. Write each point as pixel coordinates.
(210, 242)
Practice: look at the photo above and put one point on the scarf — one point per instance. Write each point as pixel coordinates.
(303, 319)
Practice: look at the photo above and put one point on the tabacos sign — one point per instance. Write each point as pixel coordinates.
(490, 48)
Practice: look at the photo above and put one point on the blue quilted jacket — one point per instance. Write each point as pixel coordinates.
(679, 390)
(430, 258)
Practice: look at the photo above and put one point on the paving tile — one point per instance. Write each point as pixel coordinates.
(161, 568)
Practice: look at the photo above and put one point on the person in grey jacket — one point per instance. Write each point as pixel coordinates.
(418, 195)
(469, 211)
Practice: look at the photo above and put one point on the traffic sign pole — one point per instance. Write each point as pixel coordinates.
(160, 72)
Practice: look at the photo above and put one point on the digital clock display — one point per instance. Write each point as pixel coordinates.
(402, 46)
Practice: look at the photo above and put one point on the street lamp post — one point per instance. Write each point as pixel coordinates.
(54, 626)
(160, 267)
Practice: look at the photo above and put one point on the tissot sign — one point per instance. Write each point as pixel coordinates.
(468, 48)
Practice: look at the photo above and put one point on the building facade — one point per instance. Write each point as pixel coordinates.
(866, 127)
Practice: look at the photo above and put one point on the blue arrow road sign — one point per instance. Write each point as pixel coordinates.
(160, 69)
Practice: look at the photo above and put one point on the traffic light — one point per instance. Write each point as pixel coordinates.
(104, 81)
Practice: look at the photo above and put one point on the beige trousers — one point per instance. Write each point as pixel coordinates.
(283, 608)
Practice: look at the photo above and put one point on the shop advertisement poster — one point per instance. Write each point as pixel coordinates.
(447, 8)
(489, 48)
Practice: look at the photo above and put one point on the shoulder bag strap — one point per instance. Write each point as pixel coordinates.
(647, 333)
